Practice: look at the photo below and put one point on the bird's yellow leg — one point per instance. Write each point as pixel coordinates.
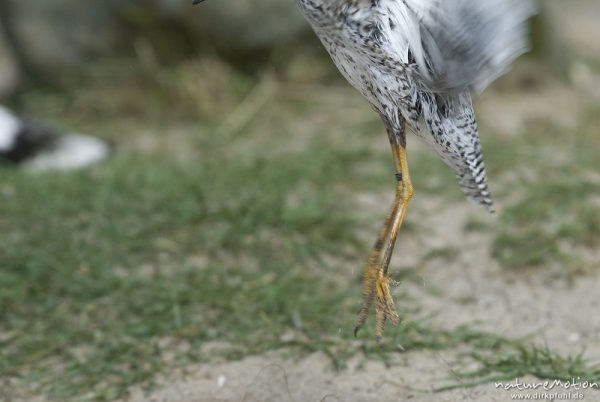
(377, 281)
(374, 268)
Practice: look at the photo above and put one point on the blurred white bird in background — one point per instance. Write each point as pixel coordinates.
(38, 147)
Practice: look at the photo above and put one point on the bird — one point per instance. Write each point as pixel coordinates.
(37, 146)
(419, 63)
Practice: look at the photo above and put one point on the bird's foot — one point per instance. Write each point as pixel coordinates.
(377, 288)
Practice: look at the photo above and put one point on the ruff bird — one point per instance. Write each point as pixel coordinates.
(418, 62)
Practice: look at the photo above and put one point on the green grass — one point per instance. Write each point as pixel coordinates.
(106, 271)
(113, 275)
(523, 360)
(555, 215)
(101, 261)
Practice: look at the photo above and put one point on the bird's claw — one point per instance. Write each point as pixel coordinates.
(377, 288)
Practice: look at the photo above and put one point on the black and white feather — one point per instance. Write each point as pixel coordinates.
(467, 44)
(418, 61)
(38, 147)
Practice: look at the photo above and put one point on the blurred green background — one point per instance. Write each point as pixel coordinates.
(247, 186)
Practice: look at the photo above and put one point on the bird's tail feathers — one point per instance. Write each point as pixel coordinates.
(474, 185)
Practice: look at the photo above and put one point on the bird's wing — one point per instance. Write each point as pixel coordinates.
(460, 44)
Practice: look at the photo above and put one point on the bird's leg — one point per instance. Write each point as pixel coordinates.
(377, 281)
(374, 268)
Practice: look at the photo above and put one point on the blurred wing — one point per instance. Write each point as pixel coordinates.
(468, 43)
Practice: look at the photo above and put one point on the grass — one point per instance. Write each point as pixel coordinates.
(250, 242)
(99, 275)
(556, 219)
(522, 360)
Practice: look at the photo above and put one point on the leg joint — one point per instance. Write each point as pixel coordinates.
(405, 190)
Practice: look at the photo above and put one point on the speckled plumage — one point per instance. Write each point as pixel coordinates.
(417, 62)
